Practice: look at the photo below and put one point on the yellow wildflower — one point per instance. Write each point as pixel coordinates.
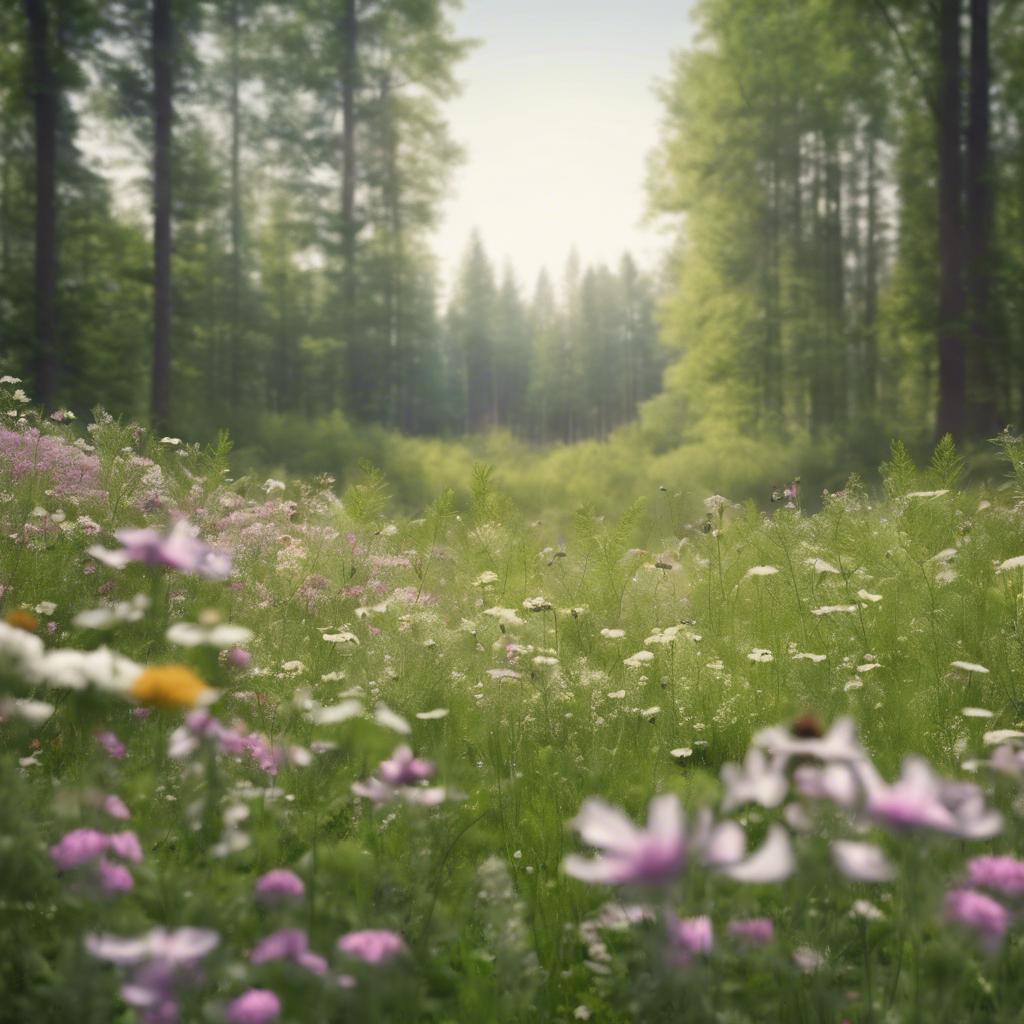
(171, 686)
(21, 619)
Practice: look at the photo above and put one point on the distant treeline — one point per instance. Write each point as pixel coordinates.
(275, 258)
(849, 181)
(846, 177)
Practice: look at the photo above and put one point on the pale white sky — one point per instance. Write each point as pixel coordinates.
(557, 116)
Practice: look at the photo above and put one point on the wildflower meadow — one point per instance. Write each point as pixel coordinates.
(271, 753)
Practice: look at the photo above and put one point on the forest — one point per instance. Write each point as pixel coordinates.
(293, 157)
(841, 185)
(517, 628)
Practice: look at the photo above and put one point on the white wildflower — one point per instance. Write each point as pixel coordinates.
(638, 659)
(430, 716)
(111, 615)
(832, 609)
(343, 636)
(505, 616)
(220, 636)
(820, 566)
(384, 716)
(332, 714)
(969, 666)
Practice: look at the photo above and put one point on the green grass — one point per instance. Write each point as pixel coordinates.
(475, 886)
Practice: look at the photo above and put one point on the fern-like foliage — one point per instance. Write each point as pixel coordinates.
(899, 474)
(1011, 447)
(366, 501)
(946, 465)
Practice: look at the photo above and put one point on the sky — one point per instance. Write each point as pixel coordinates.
(557, 116)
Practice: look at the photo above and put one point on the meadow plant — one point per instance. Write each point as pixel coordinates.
(267, 753)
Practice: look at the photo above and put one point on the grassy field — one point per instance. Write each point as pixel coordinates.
(207, 814)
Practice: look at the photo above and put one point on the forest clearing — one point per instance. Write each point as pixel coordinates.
(511, 512)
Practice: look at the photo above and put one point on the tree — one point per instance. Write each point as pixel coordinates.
(986, 358)
(162, 46)
(471, 327)
(952, 409)
(46, 105)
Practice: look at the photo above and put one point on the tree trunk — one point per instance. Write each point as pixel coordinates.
(235, 341)
(5, 202)
(771, 385)
(350, 28)
(869, 363)
(980, 216)
(821, 406)
(46, 105)
(163, 113)
(398, 404)
(951, 417)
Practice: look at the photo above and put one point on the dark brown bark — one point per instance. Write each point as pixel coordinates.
(45, 105)
(400, 402)
(985, 361)
(837, 356)
(5, 202)
(951, 328)
(350, 70)
(163, 115)
(771, 385)
(816, 262)
(360, 383)
(869, 361)
(235, 341)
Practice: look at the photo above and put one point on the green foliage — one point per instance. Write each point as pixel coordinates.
(485, 502)
(946, 466)
(367, 500)
(899, 474)
(496, 929)
(1011, 447)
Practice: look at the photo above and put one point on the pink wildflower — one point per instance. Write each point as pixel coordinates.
(72, 471)
(116, 807)
(688, 938)
(987, 918)
(164, 961)
(238, 657)
(1004, 874)
(403, 769)
(755, 931)
(179, 549)
(631, 855)
(257, 1006)
(920, 799)
(78, 847)
(126, 846)
(111, 744)
(279, 886)
(114, 878)
(373, 945)
(288, 944)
